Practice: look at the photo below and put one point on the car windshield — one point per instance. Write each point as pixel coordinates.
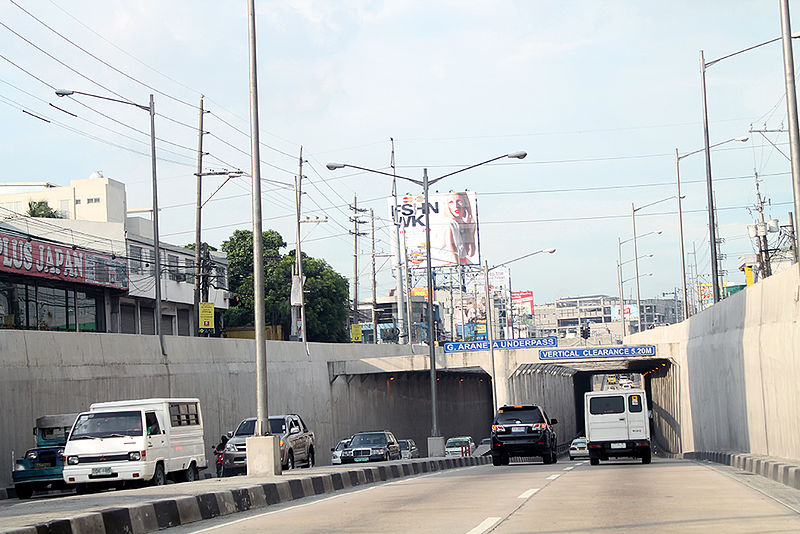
(107, 425)
(456, 442)
(508, 417)
(341, 446)
(372, 439)
(579, 442)
(404, 444)
(248, 426)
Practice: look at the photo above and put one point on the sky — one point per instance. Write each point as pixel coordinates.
(599, 94)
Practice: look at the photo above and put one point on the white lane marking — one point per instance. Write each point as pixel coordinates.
(569, 468)
(528, 493)
(553, 477)
(485, 525)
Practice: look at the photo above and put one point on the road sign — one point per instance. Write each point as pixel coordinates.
(501, 344)
(205, 317)
(597, 352)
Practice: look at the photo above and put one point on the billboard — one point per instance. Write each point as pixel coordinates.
(522, 301)
(631, 313)
(454, 228)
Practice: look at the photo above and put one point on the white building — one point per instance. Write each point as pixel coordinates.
(94, 269)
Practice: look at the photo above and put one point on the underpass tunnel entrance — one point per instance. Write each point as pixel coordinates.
(621, 374)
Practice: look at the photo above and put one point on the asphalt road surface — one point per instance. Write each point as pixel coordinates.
(622, 496)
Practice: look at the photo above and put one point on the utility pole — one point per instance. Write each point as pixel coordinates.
(407, 288)
(374, 288)
(356, 221)
(403, 323)
(763, 244)
(719, 256)
(698, 303)
(452, 310)
(461, 298)
(197, 224)
(298, 296)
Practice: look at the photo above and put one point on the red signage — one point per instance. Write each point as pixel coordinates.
(523, 298)
(45, 260)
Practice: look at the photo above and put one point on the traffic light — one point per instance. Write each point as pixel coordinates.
(585, 332)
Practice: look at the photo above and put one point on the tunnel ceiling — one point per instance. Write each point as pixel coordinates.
(618, 365)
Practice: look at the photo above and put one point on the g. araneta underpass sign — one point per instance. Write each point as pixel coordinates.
(501, 344)
(597, 352)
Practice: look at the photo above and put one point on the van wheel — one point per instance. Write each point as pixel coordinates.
(594, 461)
(505, 459)
(547, 458)
(496, 460)
(191, 474)
(24, 492)
(646, 457)
(159, 479)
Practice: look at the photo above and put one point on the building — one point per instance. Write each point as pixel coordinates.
(94, 269)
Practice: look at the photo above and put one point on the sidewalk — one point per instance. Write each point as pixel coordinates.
(781, 470)
(149, 509)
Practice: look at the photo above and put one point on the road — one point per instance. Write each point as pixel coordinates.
(623, 496)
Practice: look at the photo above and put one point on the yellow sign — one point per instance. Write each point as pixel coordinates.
(205, 316)
(748, 275)
(355, 333)
(420, 292)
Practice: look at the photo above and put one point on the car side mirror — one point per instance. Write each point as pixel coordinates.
(333, 449)
(229, 433)
(553, 421)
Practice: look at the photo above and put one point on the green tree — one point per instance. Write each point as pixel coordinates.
(326, 290)
(40, 208)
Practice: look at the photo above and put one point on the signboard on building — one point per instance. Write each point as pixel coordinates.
(205, 312)
(355, 333)
(454, 228)
(420, 292)
(523, 301)
(30, 257)
(597, 352)
(501, 344)
(631, 313)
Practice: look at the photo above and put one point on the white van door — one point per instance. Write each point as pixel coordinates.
(637, 416)
(157, 448)
(608, 418)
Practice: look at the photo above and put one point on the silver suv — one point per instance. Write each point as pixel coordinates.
(296, 443)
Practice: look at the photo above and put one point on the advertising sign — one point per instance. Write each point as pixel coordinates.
(472, 331)
(523, 301)
(420, 292)
(631, 313)
(57, 262)
(206, 317)
(501, 344)
(598, 352)
(355, 333)
(454, 228)
(706, 294)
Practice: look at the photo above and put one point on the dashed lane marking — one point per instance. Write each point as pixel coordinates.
(528, 493)
(485, 525)
(569, 468)
(553, 477)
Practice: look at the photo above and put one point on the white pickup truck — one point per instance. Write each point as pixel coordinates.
(617, 425)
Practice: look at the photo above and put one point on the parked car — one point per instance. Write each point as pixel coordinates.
(408, 449)
(41, 467)
(296, 443)
(459, 446)
(369, 446)
(523, 430)
(336, 452)
(578, 449)
(147, 440)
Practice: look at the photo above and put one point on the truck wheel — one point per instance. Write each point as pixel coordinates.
(646, 457)
(159, 478)
(310, 459)
(24, 492)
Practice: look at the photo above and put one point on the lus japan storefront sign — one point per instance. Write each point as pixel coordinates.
(19, 255)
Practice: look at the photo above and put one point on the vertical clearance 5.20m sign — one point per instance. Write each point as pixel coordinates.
(454, 228)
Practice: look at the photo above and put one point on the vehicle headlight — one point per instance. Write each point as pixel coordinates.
(60, 452)
(134, 456)
(72, 460)
(31, 455)
(347, 452)
(19, 467)
(230, 447)
(379, 451)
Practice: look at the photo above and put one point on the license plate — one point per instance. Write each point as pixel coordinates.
(101, 470)
(617, 445)
(517, 429)
(362, 459)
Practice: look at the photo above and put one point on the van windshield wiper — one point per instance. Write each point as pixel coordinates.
(118, 436)
(83, 436)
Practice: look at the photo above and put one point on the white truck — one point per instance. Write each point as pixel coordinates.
(617, 425)
(147, 440)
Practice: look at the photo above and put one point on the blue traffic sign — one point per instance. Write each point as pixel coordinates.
(502, 344)
(597, 352)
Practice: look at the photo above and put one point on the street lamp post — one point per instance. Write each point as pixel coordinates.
(620, 263)
(426, 183)
(489, 327)
(635, 252)
(635, 259)
(678, 159)
(151, 108)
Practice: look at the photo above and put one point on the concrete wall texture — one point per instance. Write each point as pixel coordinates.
(61, 372)
(738, 364)
(551, 387)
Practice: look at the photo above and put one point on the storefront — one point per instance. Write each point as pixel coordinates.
(49, 286)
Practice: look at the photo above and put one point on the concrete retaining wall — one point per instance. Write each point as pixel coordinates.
(549, 386)
(739, 368)
(62, 372)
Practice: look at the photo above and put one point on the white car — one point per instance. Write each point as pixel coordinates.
(578, 449)
(336, 452)
(459, 446)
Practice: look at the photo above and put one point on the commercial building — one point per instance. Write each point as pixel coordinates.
(94, 269)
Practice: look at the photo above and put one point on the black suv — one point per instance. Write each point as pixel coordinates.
(374, 445)
(523, 431)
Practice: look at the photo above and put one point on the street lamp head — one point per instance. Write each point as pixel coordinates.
(658, 232)
(64, 92)
(742, 139)
(649, 274)
(549, 250)
(517, 155)
(334, 166)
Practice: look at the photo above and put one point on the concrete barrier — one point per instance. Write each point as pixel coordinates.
(780, 470)
(170, 511)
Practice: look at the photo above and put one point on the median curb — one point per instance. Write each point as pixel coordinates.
(173, 511)
(784, 471)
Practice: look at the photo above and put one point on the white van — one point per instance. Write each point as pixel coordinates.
(617, 425)
(136, 440)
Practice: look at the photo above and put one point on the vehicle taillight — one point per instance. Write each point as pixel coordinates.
(498, 428)
(538, 426)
